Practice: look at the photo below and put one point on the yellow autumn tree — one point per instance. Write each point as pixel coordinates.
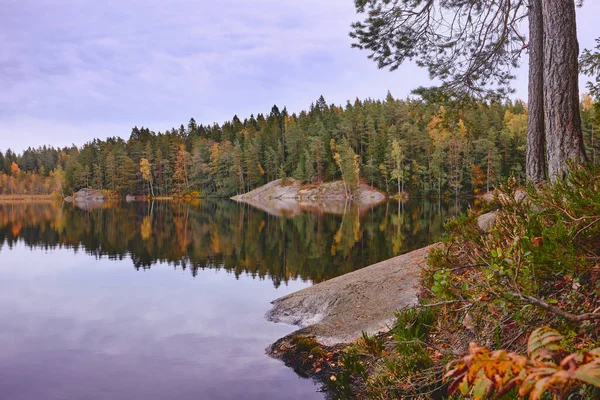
(59, 178)
(348, 163)
(146, 170)
(14, 169)
(180, 177)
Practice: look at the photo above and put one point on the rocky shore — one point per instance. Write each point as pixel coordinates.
(339, 310)
(335, 313)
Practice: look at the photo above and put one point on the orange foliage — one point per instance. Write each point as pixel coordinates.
(486, 374)
(14, 169)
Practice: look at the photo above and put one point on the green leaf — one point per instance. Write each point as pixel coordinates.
(482, 386)
(464, 387)
(589, 373)
(543, 338)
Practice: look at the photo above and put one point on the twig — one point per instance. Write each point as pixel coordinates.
(514, 340)
(566, 315)
(443, 303)
(584, 228)
(467, 266)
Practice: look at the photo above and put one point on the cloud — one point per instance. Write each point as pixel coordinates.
(80, 67)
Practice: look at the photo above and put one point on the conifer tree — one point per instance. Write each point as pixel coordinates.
(473, 47)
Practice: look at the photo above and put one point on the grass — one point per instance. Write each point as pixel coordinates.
(393, 365)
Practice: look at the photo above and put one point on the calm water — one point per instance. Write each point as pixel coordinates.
(166, 301)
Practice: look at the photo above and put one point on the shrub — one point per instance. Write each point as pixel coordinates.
(537, 266)
(486, 374)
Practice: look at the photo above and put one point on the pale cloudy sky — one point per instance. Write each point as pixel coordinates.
(72, 70)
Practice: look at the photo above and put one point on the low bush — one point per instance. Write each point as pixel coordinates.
(538, 266)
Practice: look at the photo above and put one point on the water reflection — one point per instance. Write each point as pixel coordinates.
(75, 327)
(78, 328)
(236, 237)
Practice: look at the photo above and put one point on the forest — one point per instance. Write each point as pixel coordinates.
(395, 145)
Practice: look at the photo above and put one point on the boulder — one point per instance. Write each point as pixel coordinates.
(486, 221)
(341, 309)
(487, 197)
(89, 195)
(520, 195)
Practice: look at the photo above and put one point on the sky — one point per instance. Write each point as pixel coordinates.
(74, 70)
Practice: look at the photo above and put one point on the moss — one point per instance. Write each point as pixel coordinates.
(308, 346)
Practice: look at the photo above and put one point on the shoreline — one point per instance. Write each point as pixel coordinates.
(15, 198)
(334, 314)
(339, 310)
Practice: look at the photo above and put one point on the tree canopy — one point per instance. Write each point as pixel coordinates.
(473, 46)
(396, 145)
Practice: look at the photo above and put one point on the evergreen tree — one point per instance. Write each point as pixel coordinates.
(443, 151)
(475, 58)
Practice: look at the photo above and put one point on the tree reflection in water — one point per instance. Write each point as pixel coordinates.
(226, 235)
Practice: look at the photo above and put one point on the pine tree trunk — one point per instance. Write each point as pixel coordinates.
(536, 149)
(593, 148)
(489, 165)
(564, 139)
(402, 181)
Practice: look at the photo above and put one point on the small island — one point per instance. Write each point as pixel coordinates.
(290, 197)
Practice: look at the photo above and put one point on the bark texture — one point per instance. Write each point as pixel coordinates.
(564, 139)
(536, 146)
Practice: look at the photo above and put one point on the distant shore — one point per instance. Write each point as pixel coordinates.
(10, 198)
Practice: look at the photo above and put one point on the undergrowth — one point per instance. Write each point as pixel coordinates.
(538, 266)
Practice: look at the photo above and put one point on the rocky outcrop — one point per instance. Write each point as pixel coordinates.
(130, 198)
(486, 221)
(291, 197)
(487, 197)
(87, 195)
(339, 310)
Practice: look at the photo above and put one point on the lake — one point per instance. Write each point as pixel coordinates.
(167, 300)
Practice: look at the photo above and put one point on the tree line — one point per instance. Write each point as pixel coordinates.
(395, 145)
